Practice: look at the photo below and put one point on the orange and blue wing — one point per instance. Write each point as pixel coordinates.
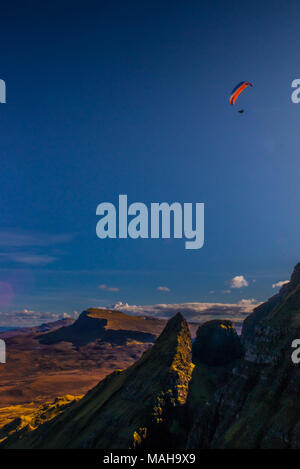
(237, 91)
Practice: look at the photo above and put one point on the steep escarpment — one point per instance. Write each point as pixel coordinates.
(128, 408)
(106, 326)
(267, 333)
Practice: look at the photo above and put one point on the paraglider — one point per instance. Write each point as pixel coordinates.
(237, 91)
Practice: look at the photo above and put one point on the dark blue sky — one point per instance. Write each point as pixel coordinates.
(108, 98)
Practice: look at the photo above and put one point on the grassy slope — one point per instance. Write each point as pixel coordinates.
(29, 417)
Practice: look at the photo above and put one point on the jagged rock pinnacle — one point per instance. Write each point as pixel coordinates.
(217, 343)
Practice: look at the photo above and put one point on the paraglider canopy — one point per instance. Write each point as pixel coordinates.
(237, 91)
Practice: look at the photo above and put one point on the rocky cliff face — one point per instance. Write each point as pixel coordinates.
(267, 333)
(259, 407)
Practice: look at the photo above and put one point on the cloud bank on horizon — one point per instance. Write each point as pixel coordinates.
(27, 318)
(194, 311)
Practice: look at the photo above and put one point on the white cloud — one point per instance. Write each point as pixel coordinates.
(120, 305)
(249, 302)
(238, 282)
(161, 288)
(66, 315)
(280, 283)
(106, 288)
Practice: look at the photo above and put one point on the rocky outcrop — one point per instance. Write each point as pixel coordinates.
(217, 343)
